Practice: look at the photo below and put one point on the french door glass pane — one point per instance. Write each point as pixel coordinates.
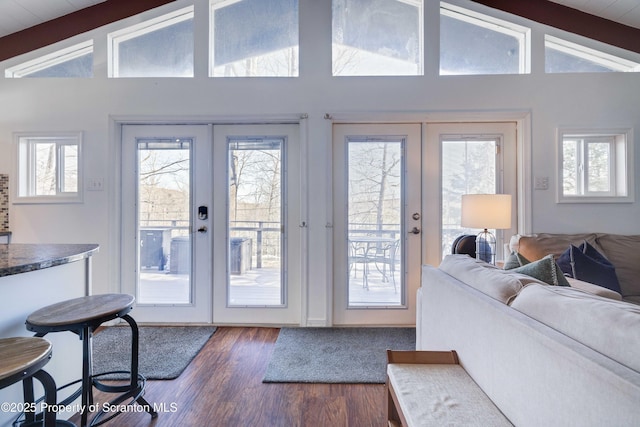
(164, 249)
(374, 222)
(255, 222)
(468, 167)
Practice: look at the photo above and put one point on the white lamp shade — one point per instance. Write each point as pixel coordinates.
(491, 211)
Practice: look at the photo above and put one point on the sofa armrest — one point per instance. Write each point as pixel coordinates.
(594, 289)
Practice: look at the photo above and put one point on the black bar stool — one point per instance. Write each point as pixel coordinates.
(83, 316)
(22, 359)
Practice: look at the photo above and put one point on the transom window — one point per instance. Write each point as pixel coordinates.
(562, 56)
(264, 44)
(473, 43)
(49, 168)
(594, 167)
(161, 47)
(75, 61)
(377, 37)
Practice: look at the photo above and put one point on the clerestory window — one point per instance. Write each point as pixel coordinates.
(472, 43)
(75, 61)
(160, 47)
(377, 37)
(254, 38)
(562, 56)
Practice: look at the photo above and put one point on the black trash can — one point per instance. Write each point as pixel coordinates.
(240, 254)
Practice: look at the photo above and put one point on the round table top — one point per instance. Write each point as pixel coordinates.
(21, 353)
(80, 311)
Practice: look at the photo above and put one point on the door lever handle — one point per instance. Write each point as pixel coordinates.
(414, 230)
(202, 229)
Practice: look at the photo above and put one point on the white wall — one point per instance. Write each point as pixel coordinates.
(607, 100)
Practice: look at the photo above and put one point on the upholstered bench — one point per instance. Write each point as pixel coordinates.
(427, 388)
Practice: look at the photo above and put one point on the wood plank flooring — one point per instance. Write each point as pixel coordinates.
(223, 387)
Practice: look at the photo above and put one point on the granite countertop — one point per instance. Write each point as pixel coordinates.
(16, 258)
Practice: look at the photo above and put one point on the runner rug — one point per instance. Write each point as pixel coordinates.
(164, 351)
(335, 355)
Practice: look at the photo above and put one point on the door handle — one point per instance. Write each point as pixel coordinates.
(202, 229)
(414, 230)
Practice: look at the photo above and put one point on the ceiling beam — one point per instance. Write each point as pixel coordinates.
(571, 20)
(72, 24)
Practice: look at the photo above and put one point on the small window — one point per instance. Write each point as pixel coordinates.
(377, 38)
(594, 167)
(49, 168)
(75, 61)
(472, 43)
(254, 38)
(565, 57)
(161, 47)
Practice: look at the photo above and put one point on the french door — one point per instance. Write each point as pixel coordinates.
(377, 222)
(465, 158)
(256, 172)
(166, 246)
(210, 223)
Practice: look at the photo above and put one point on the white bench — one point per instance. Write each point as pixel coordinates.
(428, 388)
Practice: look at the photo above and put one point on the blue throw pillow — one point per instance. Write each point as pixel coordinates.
(564, 261)
(593, 253)
(587, 264)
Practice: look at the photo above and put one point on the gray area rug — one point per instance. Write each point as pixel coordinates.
(164, 351)
(335, 355)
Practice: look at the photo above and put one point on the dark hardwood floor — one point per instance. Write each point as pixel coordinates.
(223, 387)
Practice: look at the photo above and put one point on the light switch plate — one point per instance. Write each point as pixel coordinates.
(541, 183)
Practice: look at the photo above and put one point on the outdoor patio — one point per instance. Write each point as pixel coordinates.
(260, 287)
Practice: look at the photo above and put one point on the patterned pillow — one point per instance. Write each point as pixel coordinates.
(545, 269)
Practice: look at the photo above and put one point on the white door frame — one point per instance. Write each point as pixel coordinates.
(404, 314)
(435, 133)
(199, 308)
(290, 312)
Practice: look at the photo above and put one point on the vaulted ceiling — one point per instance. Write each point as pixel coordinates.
(29, 24)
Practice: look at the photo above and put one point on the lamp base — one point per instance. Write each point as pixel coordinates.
(486, 246)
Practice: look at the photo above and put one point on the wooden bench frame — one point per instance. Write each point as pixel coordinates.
(395, 417)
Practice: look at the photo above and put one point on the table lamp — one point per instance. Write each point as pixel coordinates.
(486, 211)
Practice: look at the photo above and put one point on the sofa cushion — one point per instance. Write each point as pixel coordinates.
(542, 244)
(545, 269)
(594, 289)
(486, 278)
(587, 264)
(609, 327)
(624, 254)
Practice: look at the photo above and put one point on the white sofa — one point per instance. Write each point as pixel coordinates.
(545, 355)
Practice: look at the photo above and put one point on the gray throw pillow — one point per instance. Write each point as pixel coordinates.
(515, 260)
(545, 269)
